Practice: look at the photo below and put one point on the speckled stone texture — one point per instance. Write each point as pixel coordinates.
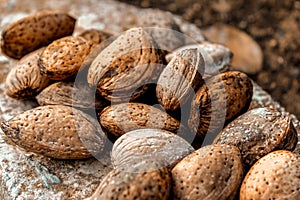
(24, 175)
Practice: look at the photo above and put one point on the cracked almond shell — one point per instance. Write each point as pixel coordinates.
(56, 131)
(35, 31)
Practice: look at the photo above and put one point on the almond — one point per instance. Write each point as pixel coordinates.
(121, 118)
(259, 132)
(56, 131)
(25, 80)
(63, 58)
(180, 78)
(135, 183)
(35, 31)
(274, 176)
(122, 69)
(221, 99)
(159, 146)
(211, 172)
(76, 94)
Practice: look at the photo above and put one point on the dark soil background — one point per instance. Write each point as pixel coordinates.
(274, 24)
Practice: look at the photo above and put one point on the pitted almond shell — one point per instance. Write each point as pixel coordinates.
(259, 132)
(218, 101)
(25, 80)
(78, 94)
(274, 176)
(154, 145)
(35, 31)
(121, 118)
(63, 58)
(122, 69)
(180, 78)
(56, 131)
(211, 172)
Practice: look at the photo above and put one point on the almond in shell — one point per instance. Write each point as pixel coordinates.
(35, 31)
(63, 58)
(259, 132)
(154, 145)
(180, 78)
(122, 69)
(143, 183)
(211, 172)
(78, 94)
(121, 118)
(56, 131)
(274, 176)
(25, 80)
(221, 99)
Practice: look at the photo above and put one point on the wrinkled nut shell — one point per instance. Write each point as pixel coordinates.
(121, 118)
(56, 131)
(122, 69)
(35, 31)
(274, 176)
(124, 185)
(221, 99)
(211, 172)
(63, 58)
(180, 78)
(25, 80)
(76, 94)
(155, 145)
(258, 132)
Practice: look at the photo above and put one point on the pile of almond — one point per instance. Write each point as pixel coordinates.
(157, 96)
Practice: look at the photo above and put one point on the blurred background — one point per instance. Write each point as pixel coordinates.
(273, 24)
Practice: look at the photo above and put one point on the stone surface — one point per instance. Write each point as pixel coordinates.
(24, 175)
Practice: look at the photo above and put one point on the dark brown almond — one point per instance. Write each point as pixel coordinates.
(121, 118)
(122, 69)
(221, 99)
(25, 80)
(274, 176)
(135, 183)
(78, 94)
(217, 57)
(56, 131)
(180, 78)
(63, 58)
(35, 31)
(211, 172)
(159, 146)
(259, 132)
(163, 28)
